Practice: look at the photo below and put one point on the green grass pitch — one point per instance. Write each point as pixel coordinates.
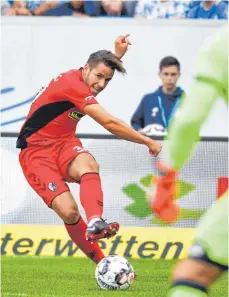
(74, 277)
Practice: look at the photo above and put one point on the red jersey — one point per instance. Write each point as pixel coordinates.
(56, 110)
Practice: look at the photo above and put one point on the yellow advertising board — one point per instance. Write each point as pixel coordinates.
(135, 242)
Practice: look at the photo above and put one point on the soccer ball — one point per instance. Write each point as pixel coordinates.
(114, 273)
(154, 129)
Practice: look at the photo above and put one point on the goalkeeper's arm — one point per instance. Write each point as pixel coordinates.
(185, 126)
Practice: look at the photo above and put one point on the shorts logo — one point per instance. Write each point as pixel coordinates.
(52, 187)
(75, 115)
(89, 98)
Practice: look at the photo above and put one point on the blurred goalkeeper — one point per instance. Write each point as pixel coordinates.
(208, 256)
(51, 155)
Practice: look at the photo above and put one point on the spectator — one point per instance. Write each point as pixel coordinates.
(6, 8)
(78, 8)
(72, 8)
(156, 109)
(209, 10)
(130, 6)
(34, 7)
(194, 3)
(112, 8)
(69, 8)
(95, 8)
(161, 9)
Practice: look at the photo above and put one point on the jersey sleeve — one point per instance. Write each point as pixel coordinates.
(194, 109)
(78, 93)
(185, 126)
(212, 59)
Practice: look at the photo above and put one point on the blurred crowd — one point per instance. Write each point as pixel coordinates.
(151, 9)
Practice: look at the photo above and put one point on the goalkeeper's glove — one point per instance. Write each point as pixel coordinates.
(163, 200)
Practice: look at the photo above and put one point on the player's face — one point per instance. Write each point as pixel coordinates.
(97, 78)
(169, 76)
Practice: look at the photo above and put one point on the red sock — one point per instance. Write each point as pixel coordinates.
(91, 195)
(77, 234)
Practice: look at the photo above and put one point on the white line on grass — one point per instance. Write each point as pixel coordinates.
(23, 295)
(9, 294)
(15, 294)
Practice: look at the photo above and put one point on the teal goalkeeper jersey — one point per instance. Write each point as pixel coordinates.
(211, 83)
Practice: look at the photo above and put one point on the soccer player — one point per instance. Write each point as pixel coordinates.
(51, 155)
(208, 256)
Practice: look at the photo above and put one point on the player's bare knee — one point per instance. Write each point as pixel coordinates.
(92, 166)
(182, 270)
(71, 216)
(82, 164)
(196, 271)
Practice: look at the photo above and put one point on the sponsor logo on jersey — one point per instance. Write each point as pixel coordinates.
(79, 149)
(52, 187)
(89, 98)
(75, 115)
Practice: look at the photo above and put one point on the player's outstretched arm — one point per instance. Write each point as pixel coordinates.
(211, 83)
(119, 128)
(121, 45)
(182, 136)
(185, 127)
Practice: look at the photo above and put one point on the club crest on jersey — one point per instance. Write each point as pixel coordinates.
(52, 187)
(75, 115)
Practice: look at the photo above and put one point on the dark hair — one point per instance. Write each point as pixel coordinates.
(107, 58)
(169, 61)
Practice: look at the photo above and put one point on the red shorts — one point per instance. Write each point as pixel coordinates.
(46, 168)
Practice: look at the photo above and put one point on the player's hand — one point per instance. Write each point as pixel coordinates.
(163, 200)
(121, 45)
(154, 148)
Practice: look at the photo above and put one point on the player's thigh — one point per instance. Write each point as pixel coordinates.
(74, 160)
(66, 208)
(42, 175)
(212, 232)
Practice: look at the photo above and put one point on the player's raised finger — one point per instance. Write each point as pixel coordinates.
(125, 39)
